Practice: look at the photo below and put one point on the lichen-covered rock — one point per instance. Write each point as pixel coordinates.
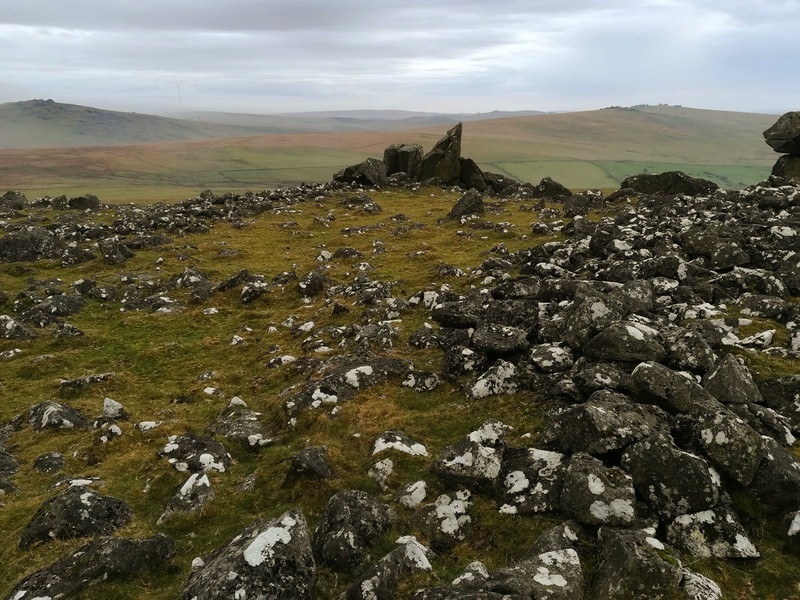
(446, 521)
(669, 182)
(51, 415)
(552, 358)
(77, 512)
(193, 495)
(711, 533)
(267, 559)
(626, 341)
(790, 532)
(458, 315)
(732, 382)
(500, 378)
(349, 525)
(399, 441)
(413, 495)
(51, 462)
(688, 350)
(776, 483)
(554, 575)
(475, 461)
(499, 340)
(195, 454)
(471, 203)
(586, 319)
(699, 587)
(530, 481)
(671, 481)
(459, 359)
(635, 564)
(104, 559)
(730, 443)
(29, 244)
(380, 580)
(421, 381)
(8, 463)
(597, 495)
(12, 330)
(242, 425)
(600, 426)
(654, 383)
(312, 462)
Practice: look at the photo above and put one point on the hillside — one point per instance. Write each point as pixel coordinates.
(267, 394)
(48, 124)
(582, 150)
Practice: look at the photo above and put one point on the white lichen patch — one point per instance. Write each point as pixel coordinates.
(261, 549)
(352, 379)
(596, 485)
(618, 509)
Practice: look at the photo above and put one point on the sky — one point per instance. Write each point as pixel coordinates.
(270, 56)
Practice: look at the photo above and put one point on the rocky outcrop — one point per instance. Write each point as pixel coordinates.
(784, 137)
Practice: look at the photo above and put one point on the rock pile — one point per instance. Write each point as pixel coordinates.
(784, 138)
(442, 165)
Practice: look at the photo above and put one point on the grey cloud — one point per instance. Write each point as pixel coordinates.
(433, 55)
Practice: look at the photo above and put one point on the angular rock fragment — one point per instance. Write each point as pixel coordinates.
(732, 382)
(556, 575)
(399, 441)
(104, 559)
(49, 463)
(499, 340)
(311, 462)
(51, 415)
(498, 379)
(599, 426)
(381, 579)
(193, 495)
(475, 461)
(446, 521)
(626, 341)
(12, 330)
(656, 384)
(471, 203)
(596, 495)
(195, 454)
(730, 444)
(711, 533)
(77, 512)
(634, 565)
(531, 481)
(267, 559)
(673, 482)
(242, 425)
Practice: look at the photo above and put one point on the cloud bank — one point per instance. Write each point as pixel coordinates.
(440, 56)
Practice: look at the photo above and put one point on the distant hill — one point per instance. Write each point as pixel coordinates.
(49, 124)
(34, 124)
(591, 149)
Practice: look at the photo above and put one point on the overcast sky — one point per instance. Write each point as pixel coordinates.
(432, 55)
